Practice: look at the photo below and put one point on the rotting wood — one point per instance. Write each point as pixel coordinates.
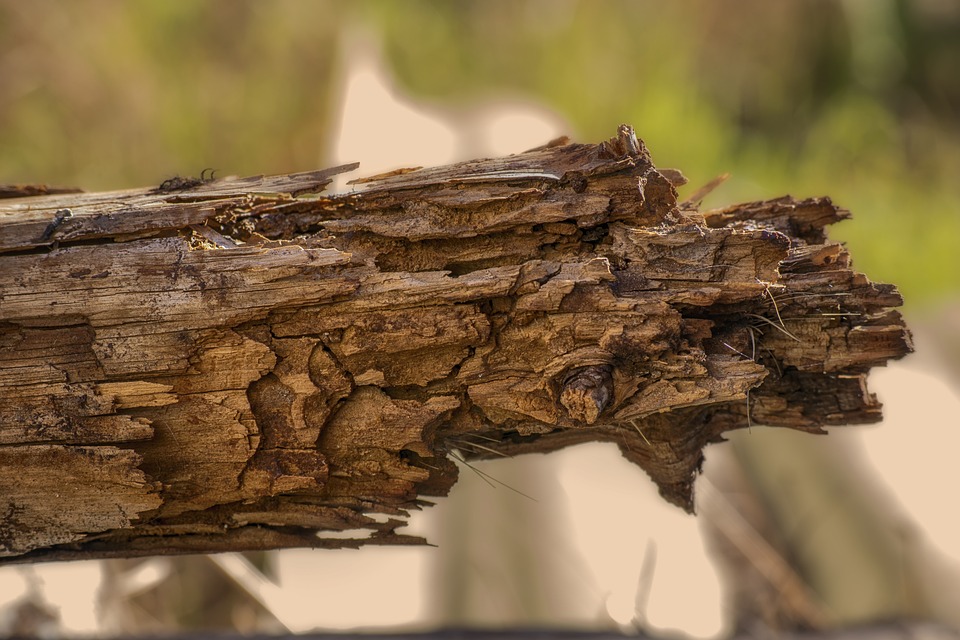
(243, 364)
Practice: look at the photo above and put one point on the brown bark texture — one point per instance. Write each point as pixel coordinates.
(246, 363)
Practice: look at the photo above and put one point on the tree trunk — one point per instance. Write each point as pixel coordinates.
(238, 364)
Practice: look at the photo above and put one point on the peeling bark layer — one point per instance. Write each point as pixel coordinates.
(237, 364)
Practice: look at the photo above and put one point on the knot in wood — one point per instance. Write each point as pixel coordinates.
(587, 392)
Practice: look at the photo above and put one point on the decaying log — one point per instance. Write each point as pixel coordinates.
(238, 364)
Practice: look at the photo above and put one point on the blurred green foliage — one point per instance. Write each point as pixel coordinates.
(857, 99)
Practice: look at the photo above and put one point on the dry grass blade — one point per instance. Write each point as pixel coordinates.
(489, 479)
(695, 198)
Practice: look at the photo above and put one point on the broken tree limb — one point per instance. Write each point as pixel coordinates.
(240, 364)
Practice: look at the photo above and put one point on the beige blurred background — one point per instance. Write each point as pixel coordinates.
(857, 99)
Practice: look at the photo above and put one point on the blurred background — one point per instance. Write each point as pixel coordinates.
(856, 99)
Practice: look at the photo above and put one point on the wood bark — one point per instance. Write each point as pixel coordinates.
(239, 364)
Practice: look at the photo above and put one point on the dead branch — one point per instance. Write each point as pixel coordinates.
(239, 364)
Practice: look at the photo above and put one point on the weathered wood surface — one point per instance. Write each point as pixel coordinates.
(247, 364)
